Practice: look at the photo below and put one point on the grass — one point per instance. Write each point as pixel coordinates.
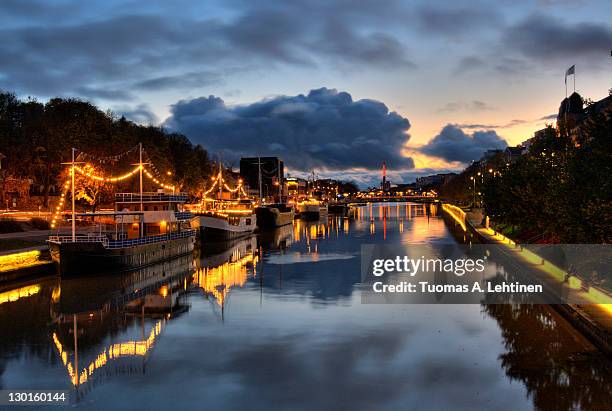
(7, 244)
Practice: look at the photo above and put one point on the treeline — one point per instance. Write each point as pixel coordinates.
(561, 191)
(37, 138)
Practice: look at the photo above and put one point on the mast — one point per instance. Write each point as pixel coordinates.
(280, 184)
(220, 180)
(140, 169)
(259, 178)
(73, 209)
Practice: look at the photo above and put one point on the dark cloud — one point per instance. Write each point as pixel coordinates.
(376, 48)
(453, 144)
(474, 105)
(512, 123)
(454, 21)
(324, 129)
(149, 51)
(103, 93)
(469, 63)
(186, 80)
(140, 114)
(29, 9)
(542, 37)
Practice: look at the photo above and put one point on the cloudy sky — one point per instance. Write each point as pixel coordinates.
(336, 86)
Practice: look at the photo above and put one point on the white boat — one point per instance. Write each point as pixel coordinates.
(144, 229)
(312, 208)
(221, 220)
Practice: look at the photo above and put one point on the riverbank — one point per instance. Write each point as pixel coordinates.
(592, 317)
(24, 255)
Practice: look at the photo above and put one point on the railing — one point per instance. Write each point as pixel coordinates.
(114, 244)
(456, 213)
(183, 215)
(149, 197)
(91, 238)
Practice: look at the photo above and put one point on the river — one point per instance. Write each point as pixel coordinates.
(276, 322)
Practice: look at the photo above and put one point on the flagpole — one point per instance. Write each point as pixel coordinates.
(574, 79)
(73, 208)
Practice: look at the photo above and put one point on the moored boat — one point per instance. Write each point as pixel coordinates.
(312, 209)
(222, 220)
(144, 229)
(274, 215)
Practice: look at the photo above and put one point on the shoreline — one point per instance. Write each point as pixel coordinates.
(591, 320)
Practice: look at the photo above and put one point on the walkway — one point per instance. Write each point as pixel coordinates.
(595, 309)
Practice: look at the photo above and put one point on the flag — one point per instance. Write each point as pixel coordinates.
(569, 72)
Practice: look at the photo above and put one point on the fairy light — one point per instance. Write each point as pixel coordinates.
(91, 175)
(156, 181)
(60, 207)
(218, 179)
(89, 172)
(97, 177)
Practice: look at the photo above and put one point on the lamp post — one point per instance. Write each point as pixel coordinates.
(473, 190)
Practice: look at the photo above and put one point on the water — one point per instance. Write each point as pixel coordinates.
(276, 322)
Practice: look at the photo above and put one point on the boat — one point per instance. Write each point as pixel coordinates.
(222, 220)
(274, 215)
(338, 208)
(312, 209)
(145, 228)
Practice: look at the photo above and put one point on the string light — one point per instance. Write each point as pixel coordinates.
(125, 176)
(156, 181)
(85, 172)
(218, 179)
(93, 176)
(60, 207)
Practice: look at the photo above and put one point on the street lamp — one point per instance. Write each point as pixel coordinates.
(474, 189)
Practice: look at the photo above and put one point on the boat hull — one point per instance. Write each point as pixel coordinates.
(74, 259)
(312, 211)
(271, 217)
(213, 229)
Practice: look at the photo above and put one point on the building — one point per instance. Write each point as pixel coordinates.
(325, 188)
(573, 113)
(571, 116)
(490, 154)
(296, 187)
(511, 154)
(270, 170)
(434, 180)
(384, 184)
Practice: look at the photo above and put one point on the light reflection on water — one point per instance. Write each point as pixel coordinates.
(276, 322)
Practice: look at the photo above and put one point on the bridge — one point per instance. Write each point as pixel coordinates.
(391, 198)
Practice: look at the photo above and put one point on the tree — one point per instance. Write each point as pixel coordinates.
(89, 189)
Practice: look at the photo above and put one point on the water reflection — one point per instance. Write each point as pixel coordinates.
(216, 274)
(557, 365)
(294, 333)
